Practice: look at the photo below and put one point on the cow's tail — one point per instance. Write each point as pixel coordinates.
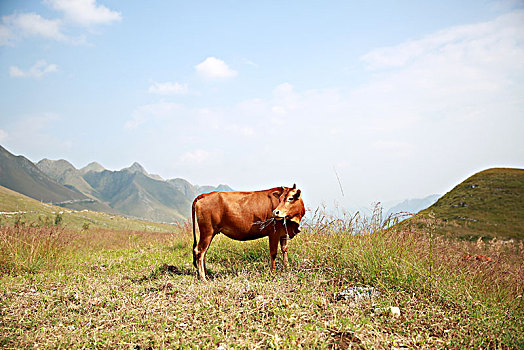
(194, 231)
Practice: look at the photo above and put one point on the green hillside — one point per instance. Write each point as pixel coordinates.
(15, 206)
(488, 204)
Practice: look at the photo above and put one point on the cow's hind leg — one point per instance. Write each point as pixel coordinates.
(283, 247)
(199, 254)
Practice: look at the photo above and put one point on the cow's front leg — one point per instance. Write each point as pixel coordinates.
(273, 250)
(283, 247)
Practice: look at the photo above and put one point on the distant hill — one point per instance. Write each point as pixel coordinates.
(137, 168)
(66, 174)
(189, 191)
(130, 191)
(192, 191)
(21, 175)
(207, 189)
(136, 194)
(488, 204)
(93, 166)
(14, 205)
(413, 206)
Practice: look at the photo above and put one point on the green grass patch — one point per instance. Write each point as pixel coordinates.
(488, 204)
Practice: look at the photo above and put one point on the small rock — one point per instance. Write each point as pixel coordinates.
(394, 311)
(357, 294)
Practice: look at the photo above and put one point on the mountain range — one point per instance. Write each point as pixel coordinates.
(130, 191)
(412, 206)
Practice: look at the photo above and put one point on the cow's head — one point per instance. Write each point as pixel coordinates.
(290, 206)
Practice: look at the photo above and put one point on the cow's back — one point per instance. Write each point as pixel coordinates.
(237, 214)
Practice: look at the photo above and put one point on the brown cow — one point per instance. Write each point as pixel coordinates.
(245, 216)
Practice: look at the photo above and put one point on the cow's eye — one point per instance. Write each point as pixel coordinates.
(290, 199)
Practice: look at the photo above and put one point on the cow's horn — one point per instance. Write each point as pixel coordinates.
(294, 186)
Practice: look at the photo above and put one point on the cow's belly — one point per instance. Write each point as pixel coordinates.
(240, 234)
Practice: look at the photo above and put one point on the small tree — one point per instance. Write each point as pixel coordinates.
(58, 219)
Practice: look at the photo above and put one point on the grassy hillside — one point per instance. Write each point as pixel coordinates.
(129, 290)
(15, 206)
(488, 204)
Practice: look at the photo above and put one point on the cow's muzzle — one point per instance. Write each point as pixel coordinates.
(277, 214)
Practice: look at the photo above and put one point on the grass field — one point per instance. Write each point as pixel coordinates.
(98, 288)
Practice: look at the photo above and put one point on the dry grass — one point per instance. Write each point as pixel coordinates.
(28, 249)
(139, 290)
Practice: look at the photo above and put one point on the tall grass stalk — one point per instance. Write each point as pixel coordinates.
(376, 253)
(30, 248)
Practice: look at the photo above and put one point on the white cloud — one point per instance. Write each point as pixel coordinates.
(200, 156)
(30, 24)
(38, 70)
(240, 130)
(250, 63)
(213, 68)
(452, 41)
(81, 12)
(168, 88)
(285, 99)
(283, 90)
(152, 112)
(85, 12)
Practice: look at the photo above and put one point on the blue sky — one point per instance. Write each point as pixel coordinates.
(401, 99)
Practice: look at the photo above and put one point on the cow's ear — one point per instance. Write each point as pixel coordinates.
(297, 195)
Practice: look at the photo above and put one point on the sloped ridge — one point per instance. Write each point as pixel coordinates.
(21, 175)
(487, 204)
(136, 168)
(413, 205)
(93, 166)
(139, 195)
(184, 186)
(66, 174)
(109, 183)
(54, 168)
